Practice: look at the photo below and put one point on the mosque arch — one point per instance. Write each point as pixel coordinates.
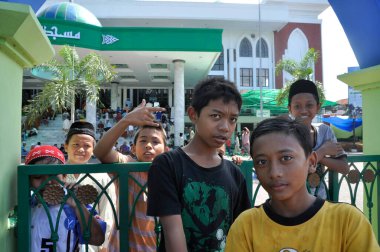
(245, 48)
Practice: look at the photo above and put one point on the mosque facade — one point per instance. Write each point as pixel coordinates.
(161, 49)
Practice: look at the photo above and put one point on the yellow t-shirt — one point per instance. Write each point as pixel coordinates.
(323, 227)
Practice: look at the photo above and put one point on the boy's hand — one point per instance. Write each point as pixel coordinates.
(70, 201)
(237, 160)
(332, 149)
(142, 115)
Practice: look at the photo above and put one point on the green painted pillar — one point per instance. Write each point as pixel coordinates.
(23, 43)
(368, 82)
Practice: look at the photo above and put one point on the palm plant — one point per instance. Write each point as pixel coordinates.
(298, 70)
(70, 76)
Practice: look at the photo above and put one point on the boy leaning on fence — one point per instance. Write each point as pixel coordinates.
(292, 219)
(149, 141)
(70, 225)
(304, 104)
(196, 193)
(79, 145)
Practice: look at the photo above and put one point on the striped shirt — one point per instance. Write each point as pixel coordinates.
(141, 234)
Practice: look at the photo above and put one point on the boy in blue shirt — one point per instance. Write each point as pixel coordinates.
(71, 226)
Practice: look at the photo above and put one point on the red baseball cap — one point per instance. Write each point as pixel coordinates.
(44, 151)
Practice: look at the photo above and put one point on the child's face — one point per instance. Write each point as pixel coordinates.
(79, 149)
(282, 168)
(149, 144)
(36, 180)
(304, 106)
(216, 122)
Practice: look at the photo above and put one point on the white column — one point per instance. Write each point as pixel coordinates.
(179, 99)
(231, 65)
(125, 97)
(238, 127)
(114, 95)
(170, 97)
(118, 98)
(131, 98)
(91, 112)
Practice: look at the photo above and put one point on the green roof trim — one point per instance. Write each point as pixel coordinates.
(159, 66)
(120, 65)
(63, 32)
(127, 77)
(160, 77)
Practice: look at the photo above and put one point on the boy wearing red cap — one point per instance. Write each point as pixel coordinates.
(70, 225)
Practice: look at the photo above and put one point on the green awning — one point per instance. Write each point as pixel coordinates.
(251, 100)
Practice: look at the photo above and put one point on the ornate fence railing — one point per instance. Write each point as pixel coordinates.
(360, 187)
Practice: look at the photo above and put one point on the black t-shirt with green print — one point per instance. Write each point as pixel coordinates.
(208, 199)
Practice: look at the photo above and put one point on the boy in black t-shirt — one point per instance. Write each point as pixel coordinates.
(196, 193)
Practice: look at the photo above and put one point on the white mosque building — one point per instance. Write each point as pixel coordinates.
(161, 49)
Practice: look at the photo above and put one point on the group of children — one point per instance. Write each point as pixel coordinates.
(72, 225)
(201, 199)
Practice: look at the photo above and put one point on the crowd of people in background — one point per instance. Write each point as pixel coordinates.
(107, 118)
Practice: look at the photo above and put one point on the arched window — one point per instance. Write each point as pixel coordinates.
(245, 49)
(263, 53)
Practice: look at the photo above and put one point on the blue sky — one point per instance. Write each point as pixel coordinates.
(337, 56)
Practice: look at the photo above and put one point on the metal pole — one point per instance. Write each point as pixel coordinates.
(260, 63)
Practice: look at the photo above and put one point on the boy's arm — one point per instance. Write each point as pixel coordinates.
(104, 148)
(140, 116)
(175, 240)
(97, 234)
(336, 164)
(331, 155)
(97, 231)
(164, 200)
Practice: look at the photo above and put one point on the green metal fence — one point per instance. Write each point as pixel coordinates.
(360, 185)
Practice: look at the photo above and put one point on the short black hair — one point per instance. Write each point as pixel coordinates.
(285, 126)
(159, 128)
(303, 86)
(214, 89)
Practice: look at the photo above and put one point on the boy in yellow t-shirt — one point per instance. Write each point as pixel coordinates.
(292, 219)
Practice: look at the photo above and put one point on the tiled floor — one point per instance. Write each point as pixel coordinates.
(53, 134)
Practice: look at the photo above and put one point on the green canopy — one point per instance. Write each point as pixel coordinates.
(251, 100)
(327, 103)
